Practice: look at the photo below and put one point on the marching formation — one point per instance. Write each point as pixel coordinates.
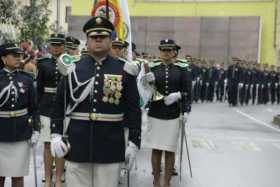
(242, 83)
(86, 108)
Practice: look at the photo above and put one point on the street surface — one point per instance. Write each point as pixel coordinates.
(229, 147)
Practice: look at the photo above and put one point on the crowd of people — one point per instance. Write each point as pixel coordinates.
(91, 115)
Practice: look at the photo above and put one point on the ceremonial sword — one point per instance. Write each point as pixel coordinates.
(184, 138)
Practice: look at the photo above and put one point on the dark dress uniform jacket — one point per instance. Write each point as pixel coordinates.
(17, 128)
(48, 78)
(174, 77)
(93, 140)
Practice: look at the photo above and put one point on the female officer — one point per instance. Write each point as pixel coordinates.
(17, 116)
(171, 81)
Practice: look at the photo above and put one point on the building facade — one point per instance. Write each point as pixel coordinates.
(214, 29)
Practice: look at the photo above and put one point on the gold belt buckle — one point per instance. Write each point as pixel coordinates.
(12, 114)
(93, 116)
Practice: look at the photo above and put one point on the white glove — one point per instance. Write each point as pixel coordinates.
(193, 82)
(172, 98)
(34, 138)
(130, 154)
(268, 84)
(149, 77)
(58, 148)
(185, 117)
(240, 85)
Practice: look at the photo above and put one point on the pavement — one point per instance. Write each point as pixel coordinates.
(229, 147)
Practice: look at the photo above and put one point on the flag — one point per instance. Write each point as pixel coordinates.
(119, 16)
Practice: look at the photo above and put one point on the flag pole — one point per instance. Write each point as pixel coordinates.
(107, 9)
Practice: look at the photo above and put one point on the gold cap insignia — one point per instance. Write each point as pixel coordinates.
(98, 20)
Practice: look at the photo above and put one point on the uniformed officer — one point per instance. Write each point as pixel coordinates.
(266, 84)
(278, 85)
(205, 82)
(274, 83)
(172, 96)
(233, 82)
(47, 81)
(72, 46)
(18, 118)
(117, 48)
(221, 87)
(196, 77)
(254, 82)
(101, 97)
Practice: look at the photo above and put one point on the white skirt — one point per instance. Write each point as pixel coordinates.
(14, 159)
(92, 174)
(162, 134)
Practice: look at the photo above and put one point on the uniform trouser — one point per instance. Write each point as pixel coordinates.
(220, 91)
(254, 93)
(273, 93)
(210, 96)
(92, 174)
(248, 93)
(278, 93)
(260, 94)
(242, 91)
(266, 93)
(204, 92)
(233, 87)
(196, 91)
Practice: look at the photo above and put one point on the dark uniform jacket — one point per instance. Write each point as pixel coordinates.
(171, 78)
(47, 80)
(233, 74)
(21, 96)
(93, 140)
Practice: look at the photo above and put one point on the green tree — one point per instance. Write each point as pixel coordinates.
(8, 12)
(8, 19)
(34, 21)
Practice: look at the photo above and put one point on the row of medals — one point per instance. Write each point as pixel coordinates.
(112, 90)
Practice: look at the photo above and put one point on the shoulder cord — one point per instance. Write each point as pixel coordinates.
(85, 93)
(7, 90)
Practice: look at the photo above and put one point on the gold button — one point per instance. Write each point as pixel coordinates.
(98, 68)
(97, 75)
(96, 83)
(93, 116)
(12, 114)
